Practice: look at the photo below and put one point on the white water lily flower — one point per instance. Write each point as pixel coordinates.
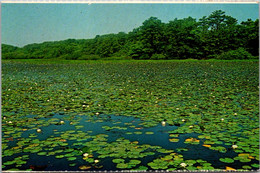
(183, 164)
(190, 126)
(234, 146)
(39, 130)
(235, 113)
(85, 154)
(183, 120)
(96, 161)
(62, 122)
(163, 123)
(222, 119)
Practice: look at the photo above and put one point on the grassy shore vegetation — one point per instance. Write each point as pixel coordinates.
(217, 36)
(130, 115)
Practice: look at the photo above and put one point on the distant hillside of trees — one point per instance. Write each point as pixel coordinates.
(217, 36)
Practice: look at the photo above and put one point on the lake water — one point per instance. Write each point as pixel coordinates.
(124, 127)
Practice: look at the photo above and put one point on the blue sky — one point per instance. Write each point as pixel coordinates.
(35, 23)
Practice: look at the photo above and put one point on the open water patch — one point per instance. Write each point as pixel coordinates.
(95, 142)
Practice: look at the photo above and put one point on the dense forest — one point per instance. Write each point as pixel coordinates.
(217, 36)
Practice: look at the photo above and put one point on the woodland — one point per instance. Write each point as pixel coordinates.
(217, 36)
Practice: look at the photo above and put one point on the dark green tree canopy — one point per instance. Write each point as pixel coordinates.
(210, 37)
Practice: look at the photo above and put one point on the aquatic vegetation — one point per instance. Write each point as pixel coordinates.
(226, 160)
(84, 167)
(158, 164)
(110, 115)
(174, 140)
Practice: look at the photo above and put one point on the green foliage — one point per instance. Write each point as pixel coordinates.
(239, 53)
(171, 91)
(89, 57)
(136, 50)
(8, 48)
(158, 56)
(178, 39)
(183, 38)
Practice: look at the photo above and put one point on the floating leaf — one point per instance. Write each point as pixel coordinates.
(9, 163)
(42, 153)
(182, 149)
(246, 167)
(72, 158)
(174, 140)
(90, 160)
(149, 133)
(174, 135)
(168, 157)
(141, 168)
(245, 160)
(191, 168)
(118, 160)
(192, 141)
(226, 160)
(59, 156)
(138, 133)
(134, 162)
(255, 165)
(84, 167)
(230, 169)
(122, 165)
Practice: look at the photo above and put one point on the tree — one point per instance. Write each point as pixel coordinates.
(150, 38)
(249, 36)
(218, 33)
(182, 38)
(209, 37)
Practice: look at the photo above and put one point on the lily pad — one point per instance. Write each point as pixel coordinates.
(138, 133)
(59, 156)
(9, 163)
(134, 162)
(42, 153)
(149, 133)
(226, 160)
(141, 168)
(84, 167)
(118, 160)
(158, 164)
(247, 167)
(255, 165)
(174, 140)
(122, 165)
(72, 158)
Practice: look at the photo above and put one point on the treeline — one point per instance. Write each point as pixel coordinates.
(217, 36)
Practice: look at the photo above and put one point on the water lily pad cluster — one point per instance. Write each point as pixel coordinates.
(192, 141)
(122, 165)
(217, 101)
